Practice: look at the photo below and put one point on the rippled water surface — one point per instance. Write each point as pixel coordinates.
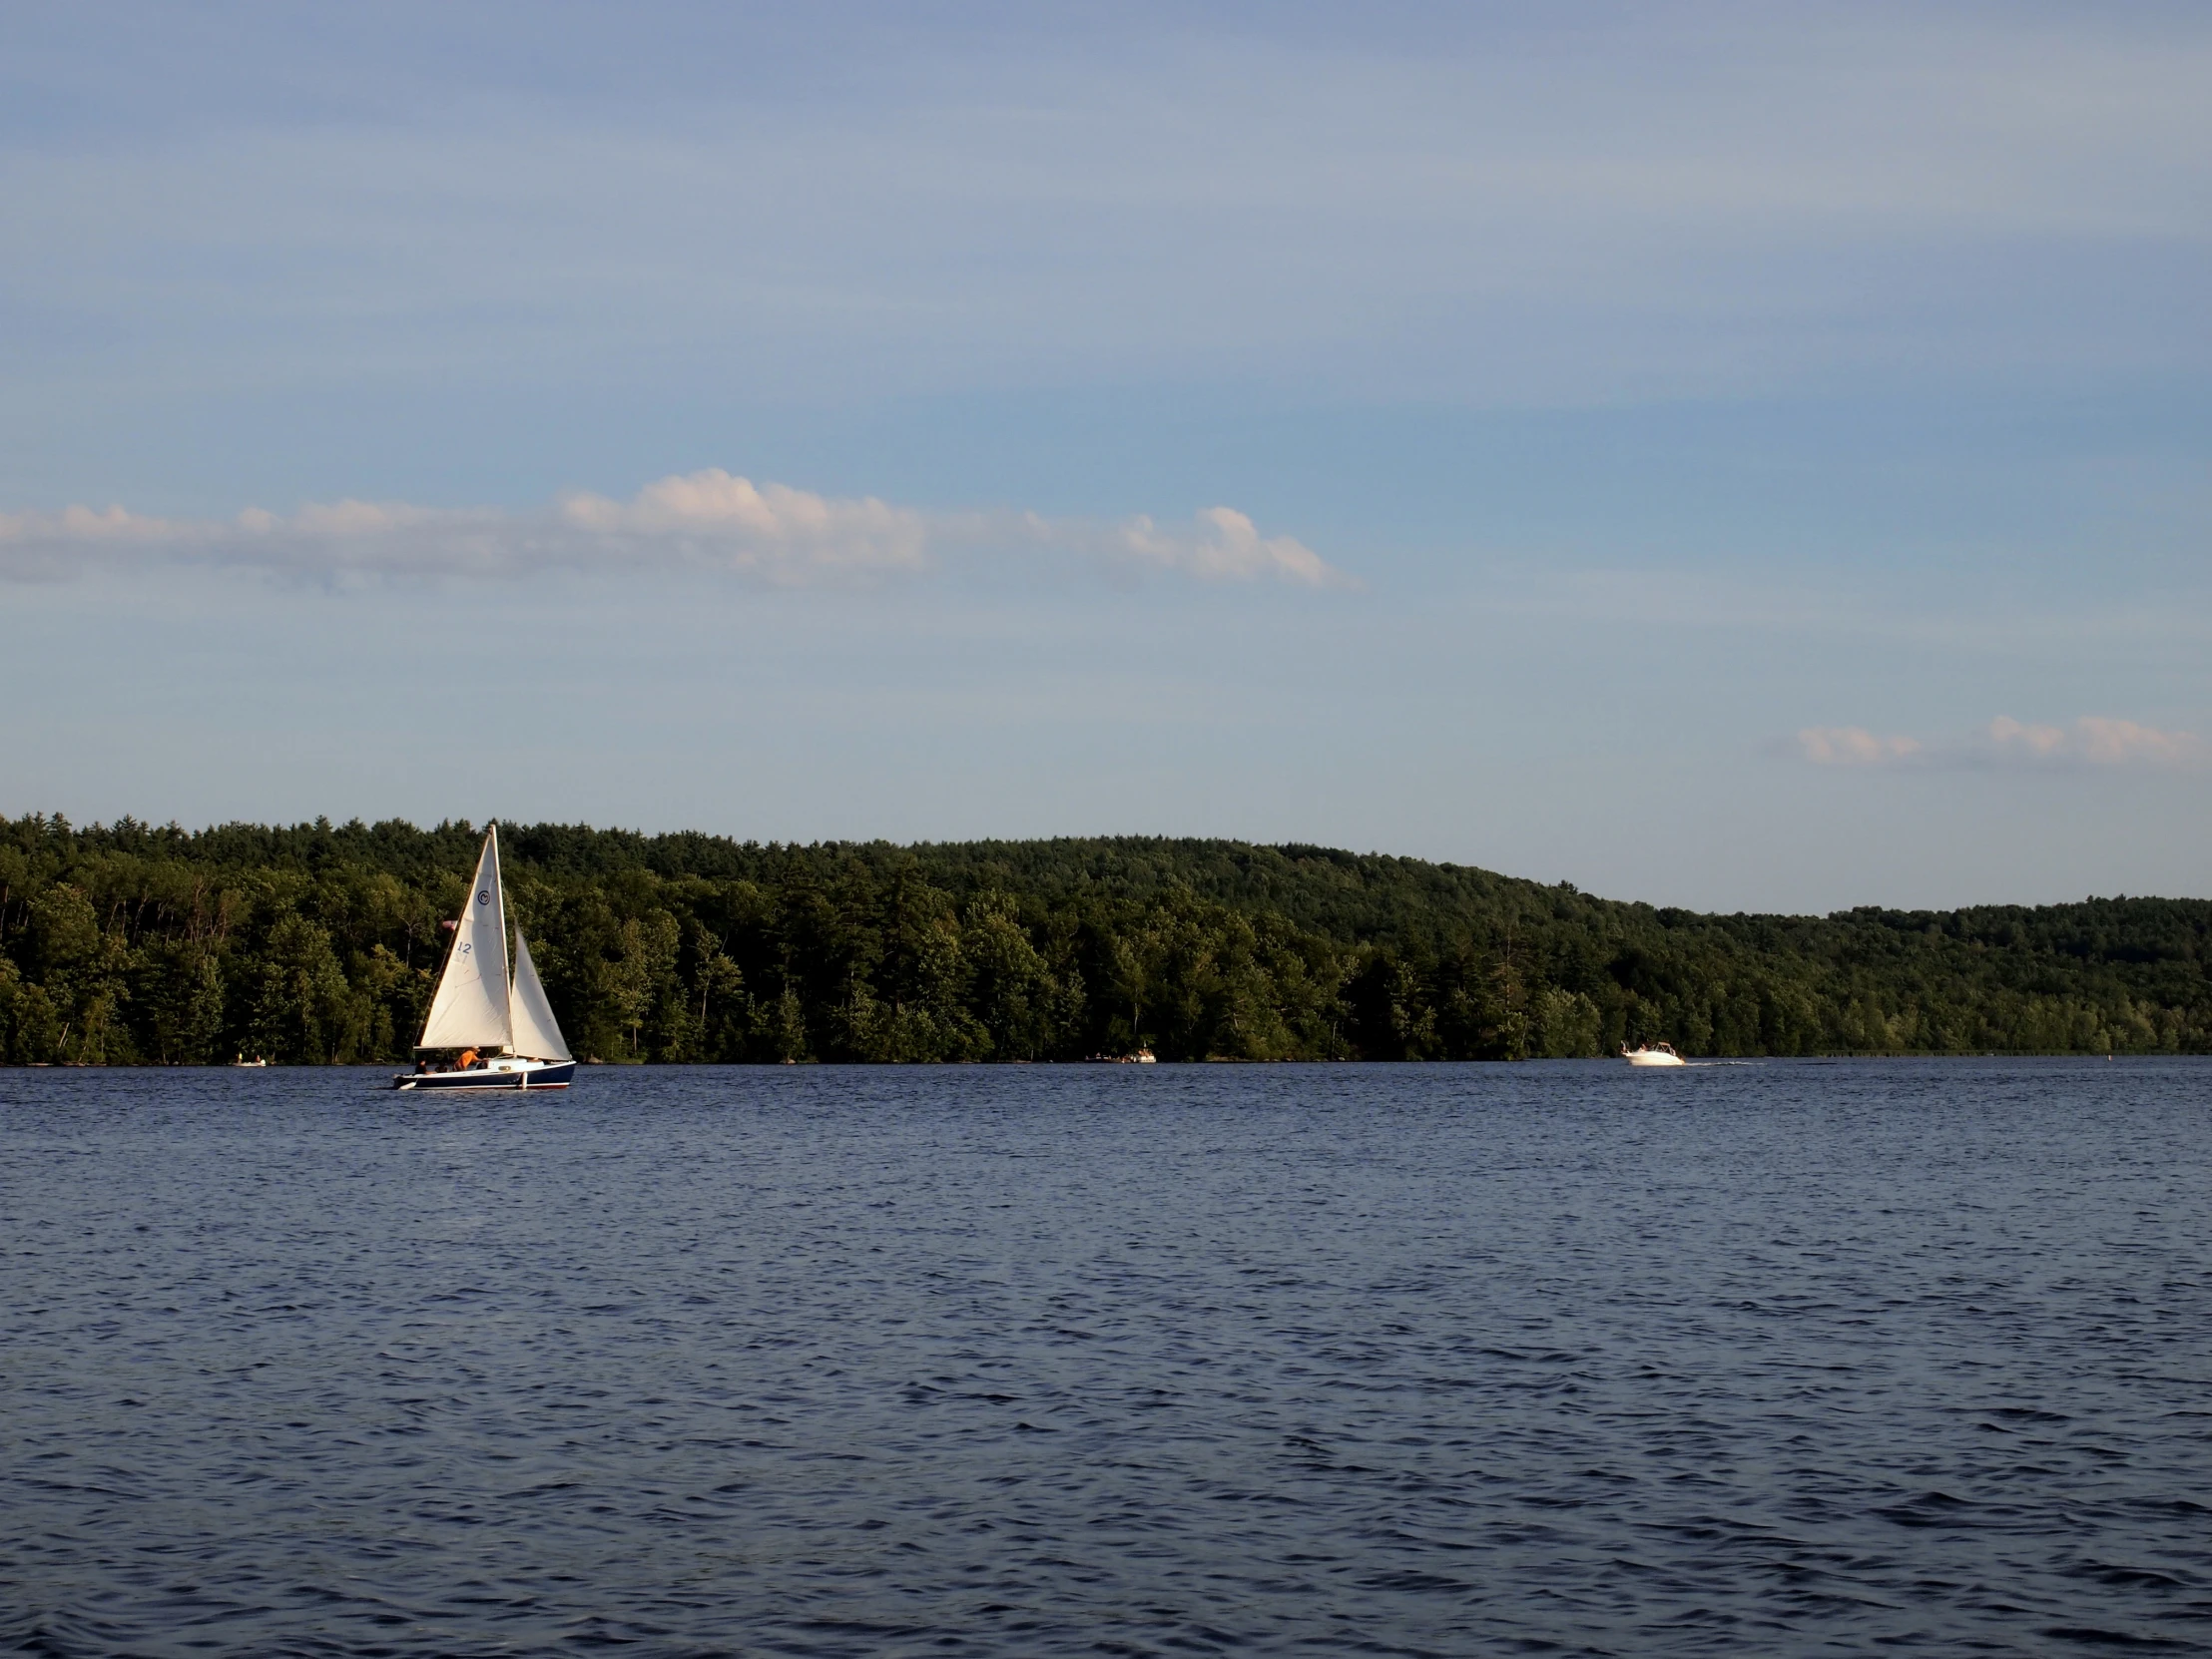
(1778, 1358)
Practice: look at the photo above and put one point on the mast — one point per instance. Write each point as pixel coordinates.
(499, 920)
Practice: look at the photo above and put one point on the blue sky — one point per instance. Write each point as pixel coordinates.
(1739, 456)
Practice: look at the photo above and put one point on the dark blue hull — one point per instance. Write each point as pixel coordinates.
(522, 1075)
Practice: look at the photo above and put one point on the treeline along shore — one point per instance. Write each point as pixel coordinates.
(320, 943)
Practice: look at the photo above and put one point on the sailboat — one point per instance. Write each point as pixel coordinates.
(502, 1023)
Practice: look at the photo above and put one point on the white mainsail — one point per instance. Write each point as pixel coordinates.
(471, 1007)
(537, 1034)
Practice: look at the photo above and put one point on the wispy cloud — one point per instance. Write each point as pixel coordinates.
(709, 521)
(716, 518)
(1226, 547)
(2090, 741)
(1853, 745)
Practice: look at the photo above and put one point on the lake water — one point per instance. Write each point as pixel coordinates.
(1554, 1359)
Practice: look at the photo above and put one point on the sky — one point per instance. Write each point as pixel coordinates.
(1735, 456)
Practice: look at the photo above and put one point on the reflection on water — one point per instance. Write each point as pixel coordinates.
(1392, 1360)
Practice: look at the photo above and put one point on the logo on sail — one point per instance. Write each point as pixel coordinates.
(485, 897)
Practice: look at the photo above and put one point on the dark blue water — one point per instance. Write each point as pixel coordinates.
(1773, 1360)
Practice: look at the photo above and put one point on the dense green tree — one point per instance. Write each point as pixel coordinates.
(304, 1010)
(181, 989)
(321, 943)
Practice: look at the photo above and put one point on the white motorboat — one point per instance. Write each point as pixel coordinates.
(1653, 1054)
(500, 1025)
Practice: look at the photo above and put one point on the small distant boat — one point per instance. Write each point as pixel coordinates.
(1143, 1057)
(1654, 1054)
(500, 1024)
(242, 1060)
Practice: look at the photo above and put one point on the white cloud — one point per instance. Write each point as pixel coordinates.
(2090, 741)
(2103, 741)
(1851, 746)
(710, 519)
(1226, 547)
(786, 534)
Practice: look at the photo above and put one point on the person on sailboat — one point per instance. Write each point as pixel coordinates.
(467, 1059)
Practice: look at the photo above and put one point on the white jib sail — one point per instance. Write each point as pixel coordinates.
(470, 1007)
(537, 1032)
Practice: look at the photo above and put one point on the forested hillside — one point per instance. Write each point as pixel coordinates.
(319, 943)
